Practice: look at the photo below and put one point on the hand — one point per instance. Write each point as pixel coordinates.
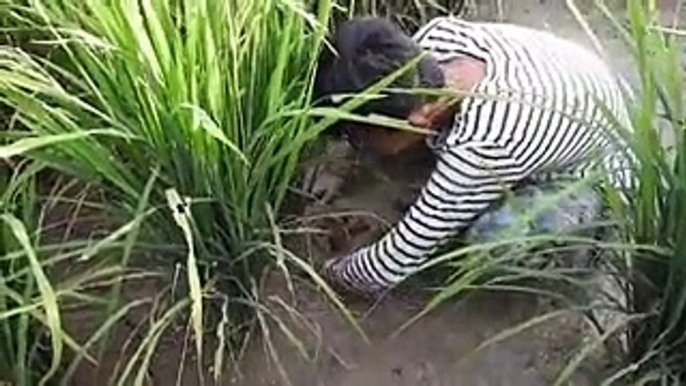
(333, 272)
(324, 179)
(341, 231)
(321, 184)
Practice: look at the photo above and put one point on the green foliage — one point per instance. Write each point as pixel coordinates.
(649, 257)
(17, 199)
(210, 96)
(655, 210)
(35, 344)
(191, 116)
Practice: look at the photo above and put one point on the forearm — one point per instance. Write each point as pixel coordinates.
(450, 202)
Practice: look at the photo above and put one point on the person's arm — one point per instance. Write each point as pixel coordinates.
(465, 182)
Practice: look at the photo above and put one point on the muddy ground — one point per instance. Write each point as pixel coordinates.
(433, 351)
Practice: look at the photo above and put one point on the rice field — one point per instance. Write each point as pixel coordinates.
(153, 228)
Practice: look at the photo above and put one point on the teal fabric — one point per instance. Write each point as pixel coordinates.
(539, 209)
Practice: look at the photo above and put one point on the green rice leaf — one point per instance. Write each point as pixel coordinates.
(25, 145)
(48, 296)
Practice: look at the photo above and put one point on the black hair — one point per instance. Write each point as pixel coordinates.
(365, 50)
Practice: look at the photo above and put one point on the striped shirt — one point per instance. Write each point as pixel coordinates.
(537, 112)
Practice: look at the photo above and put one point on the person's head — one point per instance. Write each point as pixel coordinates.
(364, 51)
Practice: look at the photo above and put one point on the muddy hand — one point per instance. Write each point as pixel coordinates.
(324, 179)
(333, 273)
(321, 184)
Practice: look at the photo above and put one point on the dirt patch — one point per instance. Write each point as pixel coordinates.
(433, 351)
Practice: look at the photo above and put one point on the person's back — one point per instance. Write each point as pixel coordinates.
(549, 97)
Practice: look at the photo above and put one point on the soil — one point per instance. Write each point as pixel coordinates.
(436, 349)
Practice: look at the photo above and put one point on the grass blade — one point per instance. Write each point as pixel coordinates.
(25, 145)
(181, 212)
(48, 296)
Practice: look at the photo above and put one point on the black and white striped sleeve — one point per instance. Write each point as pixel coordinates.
(467, 179)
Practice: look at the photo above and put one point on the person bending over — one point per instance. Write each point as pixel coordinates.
(536, 109)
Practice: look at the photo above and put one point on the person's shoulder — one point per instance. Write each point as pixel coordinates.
(451, 23)
(448, 23)
(430, 25)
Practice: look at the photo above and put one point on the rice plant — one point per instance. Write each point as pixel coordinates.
(41, 281)
(655, 209)
(16, 364)
(192, 114)
(648, 258)
(650, 212)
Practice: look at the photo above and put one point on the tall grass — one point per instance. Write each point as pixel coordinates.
(41, 281)
(191, 115)
(648, 259)
(15, 363)
(656, 208)
(210, 96)
(200, 90)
